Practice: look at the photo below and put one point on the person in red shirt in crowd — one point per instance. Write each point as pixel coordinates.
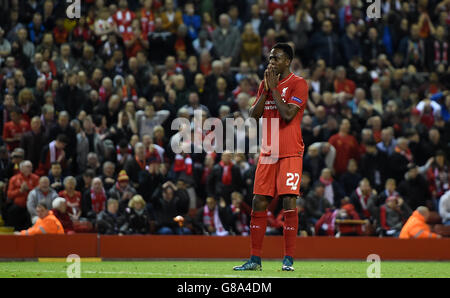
(123, 17)
(13, 130)
(287, 6)
(60, 33)
(82, 31)
(147, 17)
(135, 40)
(342, 84)
(346, 147)
(54, 152)
(19, 187)
(72, 197)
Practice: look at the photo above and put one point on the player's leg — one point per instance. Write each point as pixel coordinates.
(258, 224)
(288, 185)
(264, 190)
(290, 230)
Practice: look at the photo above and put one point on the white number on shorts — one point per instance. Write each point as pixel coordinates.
(290, 180)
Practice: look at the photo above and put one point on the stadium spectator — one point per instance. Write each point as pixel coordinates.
(374, 165)
(251, 44)
(393, 214)
(59, 209)
(241, 213)
(55, 177)
(62, 126)
(109, 221)
(171, 17)
(46, 223)
(168, 204)
(122, 191)
(313, 162)
(325, 45)
(315, 203)
(416, 226)
(224, 179)
(33, 141)
(94, 199)
(438, 176)
(108, 175)
(19, 187)
(364, 199)
(227, 40)
(43, 193)
(53, 152)
(12, 167)
(346, 147)
(14, 129)
(332, 190)
(87, 141)
(350, 179)
(444, 208)
(72, 197)
(137, 218)
(400, 159)
(65, 62)
(414, 188)
(214, 218)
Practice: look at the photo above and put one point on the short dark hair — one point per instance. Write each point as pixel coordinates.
(286, 48)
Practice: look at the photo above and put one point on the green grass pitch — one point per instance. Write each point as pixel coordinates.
(223, 269)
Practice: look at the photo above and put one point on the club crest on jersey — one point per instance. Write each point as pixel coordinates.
(283, 93)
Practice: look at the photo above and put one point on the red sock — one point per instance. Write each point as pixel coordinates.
(290, 229)
(258, 225)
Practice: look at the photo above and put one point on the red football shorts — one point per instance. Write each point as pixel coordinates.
(280, 178)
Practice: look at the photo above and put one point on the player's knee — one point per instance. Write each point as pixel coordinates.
(289, 202)
(260, 203)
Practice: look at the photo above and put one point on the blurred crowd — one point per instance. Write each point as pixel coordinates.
(87, 106)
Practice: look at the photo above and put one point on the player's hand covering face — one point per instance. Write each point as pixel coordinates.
(271, 77)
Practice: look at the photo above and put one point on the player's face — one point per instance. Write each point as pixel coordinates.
(278, 60)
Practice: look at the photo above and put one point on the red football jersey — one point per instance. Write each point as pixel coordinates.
(293, 90)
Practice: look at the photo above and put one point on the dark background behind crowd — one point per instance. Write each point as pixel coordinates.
(87, 106)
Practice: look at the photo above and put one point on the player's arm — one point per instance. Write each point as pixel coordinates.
(287, 111)
(257, 109)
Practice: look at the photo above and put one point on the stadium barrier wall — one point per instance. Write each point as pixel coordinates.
(207, 247)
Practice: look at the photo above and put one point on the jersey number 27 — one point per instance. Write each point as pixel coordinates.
(291, 177)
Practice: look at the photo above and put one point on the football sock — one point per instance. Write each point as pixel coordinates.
(290, 229)
(258, 225)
